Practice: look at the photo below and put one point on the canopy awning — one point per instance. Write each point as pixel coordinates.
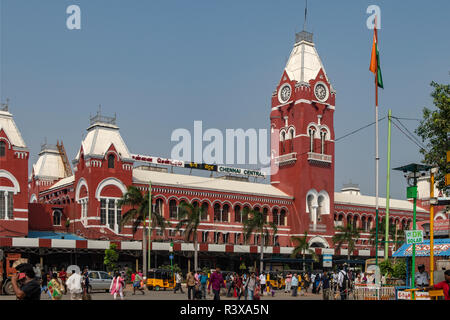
(441, 248)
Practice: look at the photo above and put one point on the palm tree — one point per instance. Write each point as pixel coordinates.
(348, 234)
(303, 248)
(138, 214)
(256, 223)
(393, 234)
(190, 215)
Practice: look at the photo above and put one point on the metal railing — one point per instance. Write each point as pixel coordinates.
(304, 36)
(103, 119)
(286, 158)
(312, 156)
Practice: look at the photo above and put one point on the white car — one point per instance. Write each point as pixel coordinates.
(99, 280)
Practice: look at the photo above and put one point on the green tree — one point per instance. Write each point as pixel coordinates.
(346, 235)
(302, 247)
(138, 213)
(398, 236)
(111, 257)
(190, 217)
(256, 223)
(434, 129)
(386, 267)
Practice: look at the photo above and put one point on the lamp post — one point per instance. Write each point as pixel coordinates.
(414, 170)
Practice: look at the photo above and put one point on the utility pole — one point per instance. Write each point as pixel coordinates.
(386, 231)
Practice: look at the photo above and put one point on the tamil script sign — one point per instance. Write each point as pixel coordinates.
(406, 295)
(158, 160)
(414, 236)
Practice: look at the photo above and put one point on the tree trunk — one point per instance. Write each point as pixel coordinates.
(195, 253)
(144, 250)
(304, 262)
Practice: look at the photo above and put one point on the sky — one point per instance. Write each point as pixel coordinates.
(161, 65)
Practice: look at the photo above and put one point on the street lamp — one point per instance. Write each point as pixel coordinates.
(414, 171)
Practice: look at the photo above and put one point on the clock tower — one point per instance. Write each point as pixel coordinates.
(302, 125)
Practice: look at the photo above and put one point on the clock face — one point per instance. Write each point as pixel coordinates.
(284, 93)
(321, 92)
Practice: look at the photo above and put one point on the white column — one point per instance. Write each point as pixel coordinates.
(107, 211)
(314, 215)
(6, 206)
(116, 225)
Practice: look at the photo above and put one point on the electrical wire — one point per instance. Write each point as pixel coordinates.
(407, 135)
(357, 130)
(411, 134)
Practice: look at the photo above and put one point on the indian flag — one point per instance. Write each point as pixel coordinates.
(375, 59)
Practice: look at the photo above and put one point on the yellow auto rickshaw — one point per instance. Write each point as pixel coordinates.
(274, 280)
(158, 279)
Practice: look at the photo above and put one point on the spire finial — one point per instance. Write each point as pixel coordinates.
(306, 13)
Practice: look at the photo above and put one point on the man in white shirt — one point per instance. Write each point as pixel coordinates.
(343, 282)
(422, 278)
(74, 286)
(262, 281)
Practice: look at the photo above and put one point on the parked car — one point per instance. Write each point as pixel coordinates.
(99, 280)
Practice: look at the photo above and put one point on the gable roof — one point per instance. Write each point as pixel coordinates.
(8, 125)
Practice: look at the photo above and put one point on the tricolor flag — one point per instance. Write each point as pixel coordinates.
(375, 59)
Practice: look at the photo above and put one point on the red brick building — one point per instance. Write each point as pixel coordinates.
(299, 198)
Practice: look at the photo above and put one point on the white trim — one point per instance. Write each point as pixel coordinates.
(160, 246)
(20, 210)
(81, 182)
(286, 250)
(131, 245)
(6, 174)
(97, 244)
(20, 219)
(319, 239)
(63, 243)
(33, 198)
(25, 242)
(109, 181)
(216, 247)
(241, 248)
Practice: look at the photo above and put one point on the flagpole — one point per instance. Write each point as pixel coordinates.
(376, 151)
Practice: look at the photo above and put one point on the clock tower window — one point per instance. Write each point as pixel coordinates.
(312, 133)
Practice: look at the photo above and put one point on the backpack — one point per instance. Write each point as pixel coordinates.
(344, 282)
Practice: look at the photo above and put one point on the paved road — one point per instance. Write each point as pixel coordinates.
(169, 295)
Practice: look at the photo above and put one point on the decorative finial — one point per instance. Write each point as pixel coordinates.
(306, 13)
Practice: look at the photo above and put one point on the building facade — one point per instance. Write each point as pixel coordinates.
(83, 199)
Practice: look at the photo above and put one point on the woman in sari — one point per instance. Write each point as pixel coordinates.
(54, 287)
(117, 285)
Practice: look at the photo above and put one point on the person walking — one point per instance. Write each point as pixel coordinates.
(178, 279)
(262, 281)
(117, 285)
(239, 287)
(343, 282)
(216, 282)
(62, 275)
(287, 281)
(25, 284)
(251, 286)
(85, 281)
(55, 288)
(203, 282)
(74, 286)
(137, 280)
(190, 283)
(294, 285)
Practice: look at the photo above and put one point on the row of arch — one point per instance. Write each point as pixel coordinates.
(221, 211)
(367, 222)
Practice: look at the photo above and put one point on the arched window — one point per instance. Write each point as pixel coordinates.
(275, 216)
(111, 159)
(159, 206)
(281, 217)
(283, 142)
(355, 222)
(225, 212)
(291, 134)
(245, 214)
(349, 219)
(56, 218)
(323, 135)
(173, 209)
(311, 133)
(217, 212)
(237, 214)
(364, 223)
(266, 214)
(205, 211)
(2, 148)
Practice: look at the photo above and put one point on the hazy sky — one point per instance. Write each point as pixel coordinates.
(160, 65)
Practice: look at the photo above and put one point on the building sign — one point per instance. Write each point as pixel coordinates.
(158, 160)
(414, 236)
(406, 295)
(240, 171)
(327, 260)
(201, 166)
(424, 249)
